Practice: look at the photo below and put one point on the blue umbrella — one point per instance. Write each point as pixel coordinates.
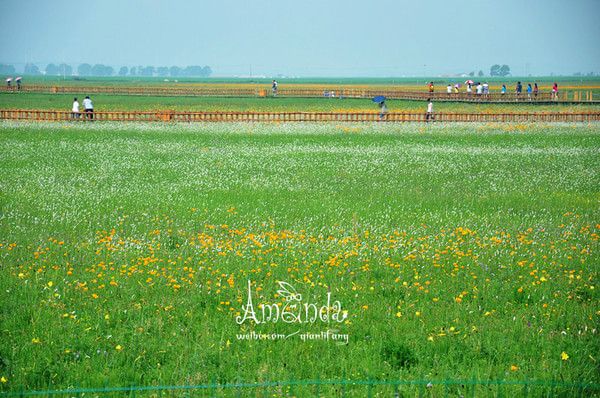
(379, 99)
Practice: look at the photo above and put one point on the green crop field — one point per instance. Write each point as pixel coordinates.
(447, 251)
(106, 102)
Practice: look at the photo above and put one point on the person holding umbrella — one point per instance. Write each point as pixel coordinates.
(380, 100)
(469, 84)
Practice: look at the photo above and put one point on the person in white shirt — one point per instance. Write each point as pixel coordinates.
(75, 109)
(479, 89)
(449, 88)
(429, 115)
(88, 107)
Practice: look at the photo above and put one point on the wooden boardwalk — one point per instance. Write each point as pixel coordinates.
(172, 116)
(569, 97)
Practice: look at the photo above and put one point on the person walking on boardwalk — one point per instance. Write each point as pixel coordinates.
(555, 92)
(529, 91)
(430, 87)
(503, 89)
(8, 82)
(518, 90)
(535, 90)
(75, 109)
(382, 110)
(88, 107)
(449, 89)
(18, 81)
(274, 88)
(429, 114)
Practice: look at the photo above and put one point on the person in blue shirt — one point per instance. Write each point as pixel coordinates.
(529, 91)
(503, 90)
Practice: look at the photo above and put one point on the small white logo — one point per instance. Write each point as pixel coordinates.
(292, 310)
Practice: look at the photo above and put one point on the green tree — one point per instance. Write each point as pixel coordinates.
(146, 71)
(504, 70)
(495, 70)
(84, 70)
(102, 70)
(123, 71)
(162, 71)
(65, 70)
(52, 70)
(32, 69)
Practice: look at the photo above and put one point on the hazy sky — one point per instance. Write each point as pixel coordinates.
(307, 37)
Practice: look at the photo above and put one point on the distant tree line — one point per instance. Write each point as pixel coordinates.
(7, 69)
(579, 74)
(164, 71)
(105, 70)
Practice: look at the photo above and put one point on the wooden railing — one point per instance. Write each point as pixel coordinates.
(343, 92)
(172, 116)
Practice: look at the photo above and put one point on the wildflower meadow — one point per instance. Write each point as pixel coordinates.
(185, 254)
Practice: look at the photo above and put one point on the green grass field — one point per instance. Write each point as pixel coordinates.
(150, 103)
(456, 252)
